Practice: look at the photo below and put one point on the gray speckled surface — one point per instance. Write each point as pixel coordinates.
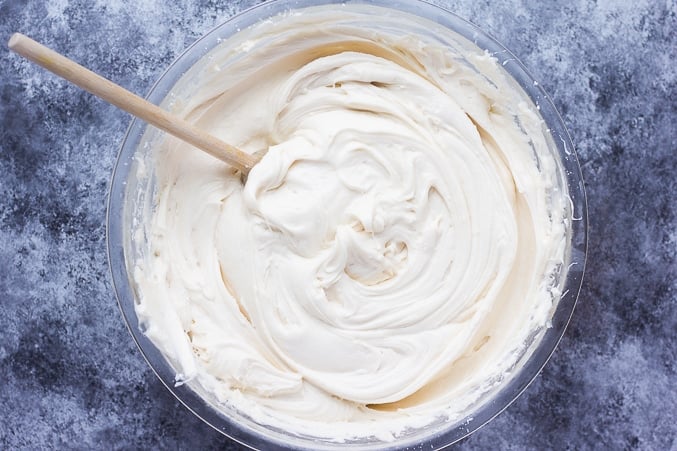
(71, 375)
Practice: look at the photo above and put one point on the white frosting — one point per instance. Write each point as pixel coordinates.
(393, 255)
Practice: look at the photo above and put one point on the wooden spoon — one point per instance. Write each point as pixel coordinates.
(121, 98)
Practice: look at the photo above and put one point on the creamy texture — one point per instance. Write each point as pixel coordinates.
(393, 257)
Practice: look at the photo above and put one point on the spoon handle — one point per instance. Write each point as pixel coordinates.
(133, 104)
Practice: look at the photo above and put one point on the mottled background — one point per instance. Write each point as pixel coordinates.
(70, 375)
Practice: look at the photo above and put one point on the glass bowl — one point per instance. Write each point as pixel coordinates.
(127, 196)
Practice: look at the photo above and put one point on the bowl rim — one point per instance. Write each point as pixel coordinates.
(501, 400)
